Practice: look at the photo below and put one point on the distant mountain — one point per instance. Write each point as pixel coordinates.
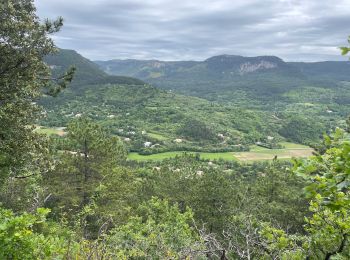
(216, 78)
(223, 77)
(87, 71)
(218, 66)
(326, 70)
(243, 65)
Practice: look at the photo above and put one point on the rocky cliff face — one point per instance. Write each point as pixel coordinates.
(249, 67)
(233, 64)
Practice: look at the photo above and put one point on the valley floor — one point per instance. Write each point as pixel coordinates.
(256, 153)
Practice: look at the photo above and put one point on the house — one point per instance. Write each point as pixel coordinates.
(147, 144)
(200, 173)
(221, 136)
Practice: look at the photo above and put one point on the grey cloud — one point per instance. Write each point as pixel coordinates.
(198, 29)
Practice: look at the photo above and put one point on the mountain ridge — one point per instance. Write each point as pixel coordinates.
(216, 78)
(87, 71)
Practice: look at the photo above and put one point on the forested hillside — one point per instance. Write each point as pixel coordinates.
(284, 89)
(129, 107)
(141, 114)
(245, 81)
(73, 192)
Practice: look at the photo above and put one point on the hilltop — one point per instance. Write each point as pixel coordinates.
(87, 71)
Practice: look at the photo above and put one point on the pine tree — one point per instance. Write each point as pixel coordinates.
(24, 77)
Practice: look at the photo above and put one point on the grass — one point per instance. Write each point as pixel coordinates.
(293, 145)
(291, 150)
(281, 154)
(161, 156)
(49, 131)
(256, 153)
(157, 136)
(155, 75)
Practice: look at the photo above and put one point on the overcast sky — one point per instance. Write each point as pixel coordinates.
(295, 30)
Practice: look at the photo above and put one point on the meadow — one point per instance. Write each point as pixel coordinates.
(161, 156)
(256, 153)
(50, 131)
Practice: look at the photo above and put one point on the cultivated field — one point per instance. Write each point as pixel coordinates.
(50, 131)
(161, 156)
(256, 153)
(291, 150)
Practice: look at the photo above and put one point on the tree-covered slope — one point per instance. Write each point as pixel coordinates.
(141, 113)
(285, 89)
(228, 78)
(213, 77)
(87, 71)
(331, 71)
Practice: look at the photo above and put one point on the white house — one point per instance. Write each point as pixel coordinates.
(147, 144)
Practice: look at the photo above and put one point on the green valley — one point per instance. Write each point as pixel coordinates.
(151, 120)
(231, 157)
(255, 153)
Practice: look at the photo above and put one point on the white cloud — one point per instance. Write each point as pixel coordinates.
(197, 29)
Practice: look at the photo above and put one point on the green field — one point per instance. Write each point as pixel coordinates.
(50, 131)
(157, 136)
(290, 150)
(161, 156)
(256, 153)
(289, 145)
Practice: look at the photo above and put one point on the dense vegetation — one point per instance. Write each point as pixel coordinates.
(280, 89)
(140, 114)
(78, 197)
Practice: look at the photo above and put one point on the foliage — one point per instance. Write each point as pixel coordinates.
(136, 113)
(329, 226)
(196, 130)
(30, 236)
(345, 50)
(24, 41)
(89, 158)
(301, 130)
(160, 231)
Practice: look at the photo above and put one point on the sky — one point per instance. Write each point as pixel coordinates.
(294, 30)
